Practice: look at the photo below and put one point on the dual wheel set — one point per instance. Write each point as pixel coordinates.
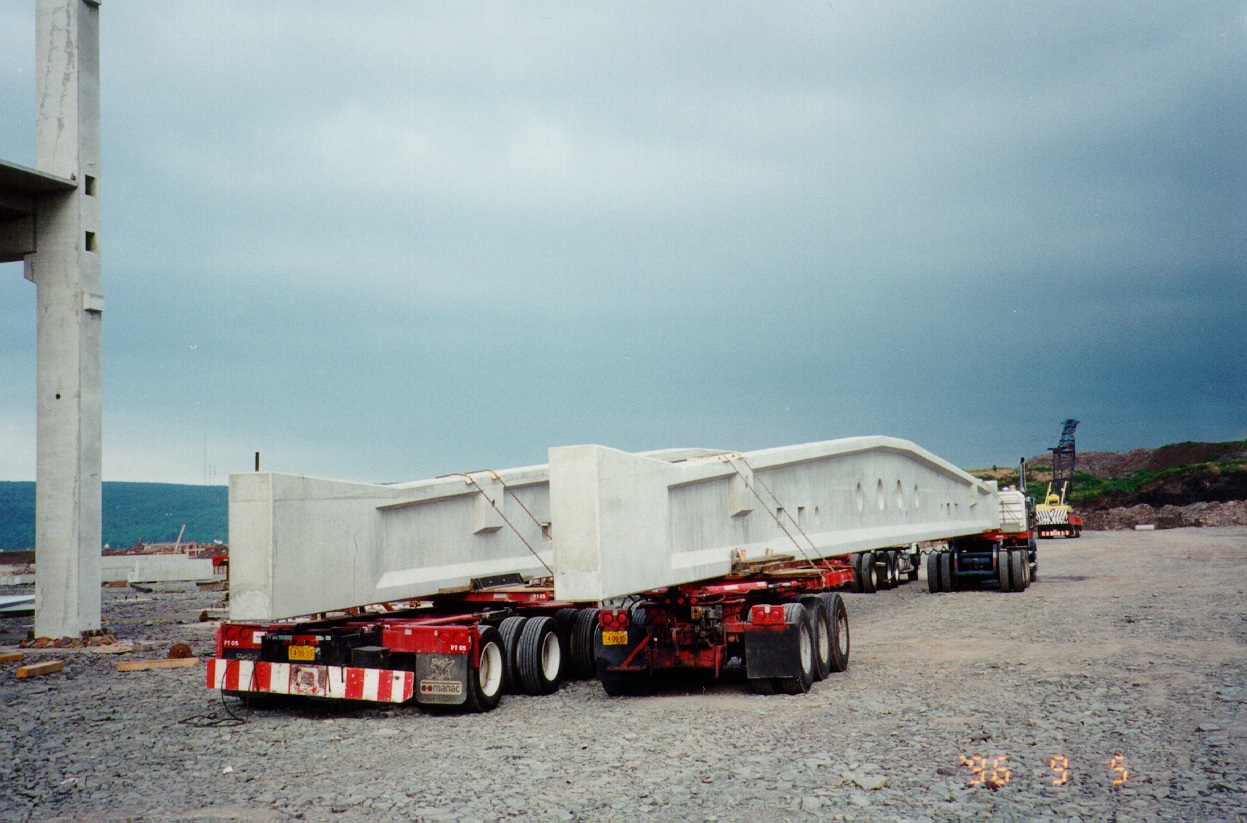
(814, 644)
(819, 646)
(1014, 571)
(883, 569)
(531, 655)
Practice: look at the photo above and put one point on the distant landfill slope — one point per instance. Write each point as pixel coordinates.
(151, 512)
(1182, 484)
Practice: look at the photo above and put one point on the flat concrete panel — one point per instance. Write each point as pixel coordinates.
(629, 523)
(302, 545)
(154, 568)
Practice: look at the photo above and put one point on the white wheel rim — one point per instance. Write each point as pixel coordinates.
(551, 656)
(824, 643)
(807, 652)
(842, 636)
(489, 676)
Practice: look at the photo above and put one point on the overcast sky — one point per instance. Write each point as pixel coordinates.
(389, 241)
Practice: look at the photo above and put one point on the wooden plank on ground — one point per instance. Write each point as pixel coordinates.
(140, 665)
(12, 657)
(36, 669)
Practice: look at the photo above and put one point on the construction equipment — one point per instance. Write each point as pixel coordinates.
(1054, 516)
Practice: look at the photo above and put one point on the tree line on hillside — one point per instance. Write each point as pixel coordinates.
(151, 512)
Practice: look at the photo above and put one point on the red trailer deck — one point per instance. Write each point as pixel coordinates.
(464, 648)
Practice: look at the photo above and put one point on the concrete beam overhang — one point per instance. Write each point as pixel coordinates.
(21, 190)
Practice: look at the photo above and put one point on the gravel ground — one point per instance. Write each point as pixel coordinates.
(1130, 644)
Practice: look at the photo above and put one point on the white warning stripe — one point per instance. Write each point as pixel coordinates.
(336, 682)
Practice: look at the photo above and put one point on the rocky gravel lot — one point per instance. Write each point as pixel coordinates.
(1131, 644)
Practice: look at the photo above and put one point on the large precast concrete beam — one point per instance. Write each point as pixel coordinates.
(625, 523)
(302, 545)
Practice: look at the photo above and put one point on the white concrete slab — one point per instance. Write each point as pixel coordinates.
(154, 568)
(301, 545)
(628, 523)
(16, 604)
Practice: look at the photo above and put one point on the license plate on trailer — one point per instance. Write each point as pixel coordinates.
(614, 638)
(304, 653)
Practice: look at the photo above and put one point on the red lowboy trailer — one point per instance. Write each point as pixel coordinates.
(463, 649)
(780, 617)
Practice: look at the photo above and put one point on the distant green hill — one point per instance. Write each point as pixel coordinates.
(152, 512)
(1177, 474)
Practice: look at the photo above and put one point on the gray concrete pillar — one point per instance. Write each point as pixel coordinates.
(66, 270)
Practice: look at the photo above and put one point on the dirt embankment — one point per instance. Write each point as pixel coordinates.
(1232, 513)
(1124, 464)
(1208, 488)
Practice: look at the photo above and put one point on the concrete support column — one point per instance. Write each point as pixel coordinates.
(66, 270)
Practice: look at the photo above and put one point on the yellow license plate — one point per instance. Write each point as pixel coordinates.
(614, 638)
(304, 653)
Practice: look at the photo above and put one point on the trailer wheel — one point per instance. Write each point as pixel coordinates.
(883, 577)
(855, 560)
(802, 651)
(580, 649)
(915, 560)
(869, 576)
(933, 572)
(946, 571)
(1026, 569)
(539, 656)
(510, 629)
(834, 604)
(820, 625)
(1017, 571)
(891, 576)
(1002, 569)
(485, 682)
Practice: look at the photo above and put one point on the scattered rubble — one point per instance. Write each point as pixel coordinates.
(1233, 513)
(68, 642)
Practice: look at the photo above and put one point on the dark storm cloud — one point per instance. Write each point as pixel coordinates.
(396, 242)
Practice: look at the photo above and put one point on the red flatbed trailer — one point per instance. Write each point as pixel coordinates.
(782, 617)
(464, 648)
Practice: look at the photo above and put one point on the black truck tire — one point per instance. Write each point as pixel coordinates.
(820, 624)
(1017, 571)
(802, 650)
(580, 649)
(486, 682)
(839, 615)
(883, 571)
(946, 571)
(1002, 570)
(510, 629)
(933, 573)
(539, 656)
(869, 575)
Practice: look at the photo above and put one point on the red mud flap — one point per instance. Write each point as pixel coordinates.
(308, 680)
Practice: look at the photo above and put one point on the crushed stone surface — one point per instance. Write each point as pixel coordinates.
(1125, 661)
